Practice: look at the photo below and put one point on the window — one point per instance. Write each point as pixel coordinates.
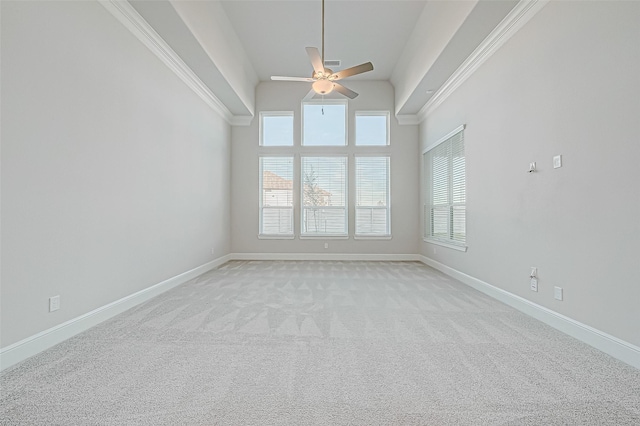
(276, 199)
(276, 128)
(372, 196)
(324, 123)
(372, 128)
(341, 182)
(445, 211)
(324, 196)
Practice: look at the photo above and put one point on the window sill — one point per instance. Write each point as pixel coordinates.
(441, 243)
(372, 237)
(276, 237)
(324, 237)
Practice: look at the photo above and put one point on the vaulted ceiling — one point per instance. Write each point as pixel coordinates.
(232, 45)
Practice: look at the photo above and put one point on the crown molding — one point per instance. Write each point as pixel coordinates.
(241, 120)
(511, 24)
(407, 119)
(136, 24)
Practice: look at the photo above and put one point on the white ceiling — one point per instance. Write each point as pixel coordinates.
(275, 33)
(232, 44)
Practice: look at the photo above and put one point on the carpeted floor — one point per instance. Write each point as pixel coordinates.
(321, 343)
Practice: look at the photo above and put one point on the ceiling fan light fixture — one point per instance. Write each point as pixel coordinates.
(322, 87)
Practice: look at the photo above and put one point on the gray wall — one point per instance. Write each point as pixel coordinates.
(115, 176)
(567, 83)
(286, 96)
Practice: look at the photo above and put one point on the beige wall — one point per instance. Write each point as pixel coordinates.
(567, 83)
(115, 175)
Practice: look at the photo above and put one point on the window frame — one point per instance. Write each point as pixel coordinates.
(387, 207)
(324, 102)
(429, 186)
(261, 207)
(380, 113)
(308, 235)
(264, 114)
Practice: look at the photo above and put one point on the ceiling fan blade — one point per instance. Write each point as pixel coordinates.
(316, 59)
(358, 69)
(279, 78)
(343, 90)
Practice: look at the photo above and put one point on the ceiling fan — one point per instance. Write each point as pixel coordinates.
(324, 79)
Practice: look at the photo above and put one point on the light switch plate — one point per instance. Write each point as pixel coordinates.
(557, 161)
(54, 303)
(557, 293)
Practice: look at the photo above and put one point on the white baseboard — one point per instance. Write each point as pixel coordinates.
(37, 343)
(617, 348)
(30, 346)
(327, 256)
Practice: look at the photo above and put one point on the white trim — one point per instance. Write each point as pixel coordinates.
(369, 113)
(327, 256)
(408, 119)
(136, 24)
(312, 235)
(39, 342)
(444, 244)
(324, 237)
(322, 102)
(371, 237)
(510, 25)
(261, 195)
(241, 120)
(276, 237)
(617, 348)
(264, 114)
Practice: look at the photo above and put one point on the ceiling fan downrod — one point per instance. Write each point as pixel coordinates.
(323, 79)
(323, 33)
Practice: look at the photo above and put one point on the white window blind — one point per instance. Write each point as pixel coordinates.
(445, 215)
(324, 196)
(276, 196)
(372, 196)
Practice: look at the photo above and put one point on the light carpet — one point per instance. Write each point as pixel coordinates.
(321, 343)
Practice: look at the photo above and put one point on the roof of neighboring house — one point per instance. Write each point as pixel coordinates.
(271, 180)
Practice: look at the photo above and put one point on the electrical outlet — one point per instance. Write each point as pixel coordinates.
(213, 251)
(557, 293)
(534, 284)
(326, 245)
(54, 303)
